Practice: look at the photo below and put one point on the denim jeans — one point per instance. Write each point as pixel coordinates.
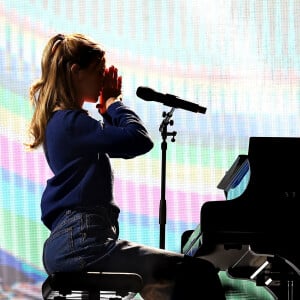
(88, 240)
(80, 238)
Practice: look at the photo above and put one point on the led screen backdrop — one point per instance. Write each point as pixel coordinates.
(237, 58)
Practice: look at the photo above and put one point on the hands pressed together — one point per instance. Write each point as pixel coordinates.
(111, 89)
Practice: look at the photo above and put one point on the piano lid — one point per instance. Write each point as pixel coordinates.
(274, 161)
(269, 168)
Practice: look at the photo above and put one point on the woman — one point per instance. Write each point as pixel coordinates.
(77, 204)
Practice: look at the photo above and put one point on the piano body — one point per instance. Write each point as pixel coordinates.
(253, 233)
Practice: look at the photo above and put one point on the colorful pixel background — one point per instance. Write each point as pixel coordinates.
(238, 58)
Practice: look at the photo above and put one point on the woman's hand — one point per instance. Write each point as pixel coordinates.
(111, 90)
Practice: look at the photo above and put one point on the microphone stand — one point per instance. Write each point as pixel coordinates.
(163, 204)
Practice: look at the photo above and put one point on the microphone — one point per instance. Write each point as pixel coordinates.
(149, 94)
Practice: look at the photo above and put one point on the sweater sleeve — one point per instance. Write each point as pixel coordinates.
(125, 136)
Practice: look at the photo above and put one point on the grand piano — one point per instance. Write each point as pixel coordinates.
(253, 234)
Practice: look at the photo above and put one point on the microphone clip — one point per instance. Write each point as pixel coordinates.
(164, 124)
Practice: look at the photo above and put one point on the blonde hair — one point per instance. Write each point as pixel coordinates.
(55, 87)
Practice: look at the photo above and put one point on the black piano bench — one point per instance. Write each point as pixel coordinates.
(91, 285)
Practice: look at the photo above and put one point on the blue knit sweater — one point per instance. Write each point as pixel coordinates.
(78, 147)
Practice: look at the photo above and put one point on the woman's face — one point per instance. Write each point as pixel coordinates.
(89, 81)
